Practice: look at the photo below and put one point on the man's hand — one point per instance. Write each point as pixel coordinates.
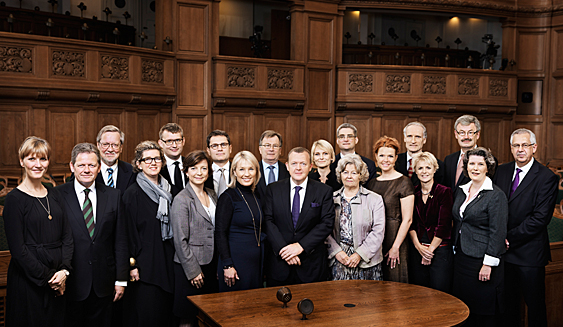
(118, 293)
(290, 252)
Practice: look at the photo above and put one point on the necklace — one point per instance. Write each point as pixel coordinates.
(48, 209)
(256, 235)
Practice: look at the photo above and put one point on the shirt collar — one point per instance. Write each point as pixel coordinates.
(266, 165)
(526, 167)
(79, 188)
(105, 167)
(215, 167)
(486, 186)
(170, 162)
(303, 185)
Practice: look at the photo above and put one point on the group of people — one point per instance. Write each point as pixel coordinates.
(149, 234)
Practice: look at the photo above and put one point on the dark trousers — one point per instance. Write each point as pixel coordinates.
(530, 282)
(94, 311)
(437, 275)
(292, 279)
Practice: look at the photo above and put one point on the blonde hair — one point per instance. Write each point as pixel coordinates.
(425, 156)
(34, 145)
(248, 156)
(323, 145)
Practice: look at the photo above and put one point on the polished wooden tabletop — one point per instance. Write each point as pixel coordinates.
(375, 303)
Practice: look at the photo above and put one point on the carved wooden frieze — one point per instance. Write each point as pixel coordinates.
(152, 71)
(398, 84)
(68, 63)
(240, 76)
(434, 84)
(498, 87)
(281, 79)
(115, 67)
(16, 60)
(360, 83)
(468, 86)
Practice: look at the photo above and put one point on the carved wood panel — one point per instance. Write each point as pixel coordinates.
(192, 28)
(16, 59)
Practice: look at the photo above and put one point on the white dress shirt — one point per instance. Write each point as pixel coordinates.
(171, 167)
(79, 189)
(524, 170)
(217, 175)
(301, 192)
(266, 171)
(105, 174)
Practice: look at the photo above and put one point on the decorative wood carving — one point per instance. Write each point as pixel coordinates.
(398, 84)
(434, 84)
(360, 83)
(498, 87)
(115, 67)
(16, 60)
(152, 71)
(68, 64)
(468, 86)
(240, 77)
(281, 79)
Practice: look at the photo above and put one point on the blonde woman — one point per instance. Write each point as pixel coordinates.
(323, 155)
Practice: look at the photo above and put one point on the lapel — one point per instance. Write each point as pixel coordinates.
(309, 195)
(285, 197)
(525, 183)
(198, 206)
(505, 180)
(262, 181)
(122, 176)
(475, 201)
(75, 207)
(102, 200)
(453, 164)
(282, 173)
(164, 173)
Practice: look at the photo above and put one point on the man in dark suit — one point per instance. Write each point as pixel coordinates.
(347, 138)
(415, 137)
(271, 169)
(100, 259)
(299, 215)
(531, 189)
(114, 172)
(466, 132)
(219, 148)
(171, 140)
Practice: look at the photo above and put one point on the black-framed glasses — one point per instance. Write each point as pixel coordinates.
(149, 160)
(170, 142)
(216, 146)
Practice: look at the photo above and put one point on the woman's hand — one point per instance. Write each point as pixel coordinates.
(485, 273)
(393, 257)
(425, 252)
(426, 262)
(134, 273)
(230, 276)
(198, 281)
(58, 280)
(342, 257)
(353, 260)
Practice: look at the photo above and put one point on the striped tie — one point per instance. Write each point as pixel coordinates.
(88, 213)
(110, 177)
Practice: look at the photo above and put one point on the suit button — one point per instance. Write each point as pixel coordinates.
(89, 262)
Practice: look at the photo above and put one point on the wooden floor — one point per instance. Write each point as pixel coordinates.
(376, 303)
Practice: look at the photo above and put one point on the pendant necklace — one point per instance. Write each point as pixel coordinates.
(48, 208)
(256, 235)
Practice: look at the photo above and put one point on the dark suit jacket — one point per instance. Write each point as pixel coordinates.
(174, 189)
(450, 163)
(372, 169)
(209, 181)
(483, 227)
(530, 209)
(261, 187)
(401, 166)
(99, 261)
(315, 223)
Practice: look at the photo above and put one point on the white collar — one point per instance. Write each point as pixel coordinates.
(170, 162)
(114, 166)
(487, 185)
(526, 167)
(303, 185)
(79, 188)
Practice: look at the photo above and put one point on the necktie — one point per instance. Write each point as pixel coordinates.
(222, 183)
(296, 206)
(515, 182)
(110, 177)
(271, 176)
(459, 169)
(88, 213)
(178, 182)
(410, 170)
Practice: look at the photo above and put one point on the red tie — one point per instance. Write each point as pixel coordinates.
(410, 170)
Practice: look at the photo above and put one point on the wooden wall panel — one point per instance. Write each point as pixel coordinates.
(237, 125)
(15, 128)
(321, 38)
(557, 96)
(492, 137)
(320, 82)
(558, 48)
(148, 125)
(195, 132)
(318, 128)
(63, 136)
(192, 27)
(555, 149)
(531, 51)
(192, 81)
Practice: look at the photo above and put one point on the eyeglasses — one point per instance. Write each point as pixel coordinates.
(347, 173)
(170, 142)
(216, 146)
(523, 145)
(271, 146)
(114, 146)
(346, 136)
(150, 160)
(468, 133)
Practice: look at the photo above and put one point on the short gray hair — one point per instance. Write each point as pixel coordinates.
(524, 131)
(84, 148)
(467, 120)
(414, 123)
(359, 164)
(347, 125)
(110, 128)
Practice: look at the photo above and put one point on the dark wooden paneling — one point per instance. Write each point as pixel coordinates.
(195, 132)
(63, 126)
(14, 125)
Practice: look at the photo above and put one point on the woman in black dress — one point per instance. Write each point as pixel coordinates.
(322, 154)
(149, 295)
(40, 242)
(239, 232)
(480, 213)
(193, 220)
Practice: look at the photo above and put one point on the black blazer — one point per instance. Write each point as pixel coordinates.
(315, 223)
(530, 210)
(103, 259)
(450, 163)
(483, 227)
(401, 166)
(174, 189)
(261, 187)
(372, 169)
(209, 181)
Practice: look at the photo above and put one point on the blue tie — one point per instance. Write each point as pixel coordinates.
(295, 207)
(110, 177)
(271, 176)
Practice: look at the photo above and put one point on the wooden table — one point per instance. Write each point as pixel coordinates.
(376, 303)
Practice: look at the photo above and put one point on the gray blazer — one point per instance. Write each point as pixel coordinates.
(193, 231)
(368, 227)
(483, 226)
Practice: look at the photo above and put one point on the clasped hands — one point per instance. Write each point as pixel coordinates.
(426, 254)
(349, 261)
(290, 253)
(57, 282)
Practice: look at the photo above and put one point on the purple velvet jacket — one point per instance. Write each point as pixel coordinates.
(436, 220)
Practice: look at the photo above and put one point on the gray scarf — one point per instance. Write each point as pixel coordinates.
(161, 195)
